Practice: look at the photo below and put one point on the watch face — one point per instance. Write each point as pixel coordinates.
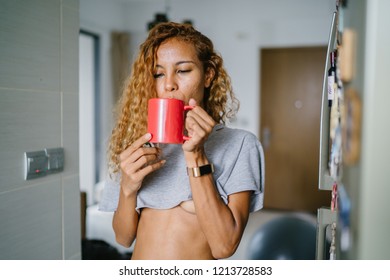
(201, 170)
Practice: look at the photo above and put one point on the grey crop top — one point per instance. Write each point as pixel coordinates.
(238, 160)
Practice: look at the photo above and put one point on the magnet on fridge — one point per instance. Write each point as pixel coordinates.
(333, 204)
(344, 219)
(351, 126)
(347, 55)
(335, 161)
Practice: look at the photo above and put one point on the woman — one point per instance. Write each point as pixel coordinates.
(173, 215)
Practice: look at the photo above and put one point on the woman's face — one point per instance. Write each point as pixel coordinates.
(179, 73)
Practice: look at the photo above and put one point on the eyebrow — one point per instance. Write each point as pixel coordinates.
(178, 63)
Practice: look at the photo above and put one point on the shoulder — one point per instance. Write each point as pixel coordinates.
(232, 136)
(231, 143)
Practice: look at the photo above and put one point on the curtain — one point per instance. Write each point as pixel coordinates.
(119, 62)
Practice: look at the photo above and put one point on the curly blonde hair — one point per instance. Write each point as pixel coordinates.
(219, 100)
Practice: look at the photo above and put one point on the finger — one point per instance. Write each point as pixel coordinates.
(150, 168)
(141, 152)
(144, 161)
(139, 158)
(197, 134)
(196, 121)
(135, 145)
(201, 116)
(198, 111)
(137, 177)
(192, 102)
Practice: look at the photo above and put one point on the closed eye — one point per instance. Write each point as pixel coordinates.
(158, 75)
(183, 71)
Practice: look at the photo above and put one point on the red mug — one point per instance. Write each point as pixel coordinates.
(166, 120)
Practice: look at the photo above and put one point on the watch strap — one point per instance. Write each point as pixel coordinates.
(200, 170)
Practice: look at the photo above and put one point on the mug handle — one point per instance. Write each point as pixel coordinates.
(187, 107)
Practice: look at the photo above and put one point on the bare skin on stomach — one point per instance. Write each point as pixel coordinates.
(171, 234)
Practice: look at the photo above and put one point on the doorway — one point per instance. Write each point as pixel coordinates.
(291, 88)
(89, 114)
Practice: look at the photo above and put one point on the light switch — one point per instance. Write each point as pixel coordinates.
(55, 159)
(35, 164)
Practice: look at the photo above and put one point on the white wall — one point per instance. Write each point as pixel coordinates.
(101, 17)
(40, 219)
(372, 207)
(239, 29)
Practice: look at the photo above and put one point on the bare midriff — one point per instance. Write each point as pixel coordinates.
(170, 234)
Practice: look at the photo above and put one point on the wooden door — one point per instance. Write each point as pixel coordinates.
(291, 86)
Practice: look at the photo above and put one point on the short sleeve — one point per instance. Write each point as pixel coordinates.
(245, 172)
(110, 196)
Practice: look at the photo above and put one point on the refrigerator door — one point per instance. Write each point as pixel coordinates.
(325, 180)
(325, 216)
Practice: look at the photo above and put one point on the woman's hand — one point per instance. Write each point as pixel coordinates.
(136, 162)
(199, 125)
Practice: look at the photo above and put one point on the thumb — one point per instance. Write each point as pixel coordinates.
(192, 102)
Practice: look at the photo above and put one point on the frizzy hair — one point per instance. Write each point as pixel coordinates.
(219, 99)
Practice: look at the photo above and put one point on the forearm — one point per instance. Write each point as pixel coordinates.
(221, 228)
(222, 225)
(125, 220)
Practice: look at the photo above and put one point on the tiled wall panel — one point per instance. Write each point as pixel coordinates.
(40, 218)
(70, 50)
(70, 132)
(30, 45)
(31, 222)
(71, 226)
(29, 121)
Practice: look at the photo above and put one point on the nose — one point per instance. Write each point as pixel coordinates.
(170, 84)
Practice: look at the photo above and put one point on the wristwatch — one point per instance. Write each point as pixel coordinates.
(200, 170)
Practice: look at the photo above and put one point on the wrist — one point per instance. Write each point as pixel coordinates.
(195, 158)
(127, 191)
(128, 194)
(201, 170)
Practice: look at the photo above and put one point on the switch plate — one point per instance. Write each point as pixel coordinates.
(35, 164)
(55, 158)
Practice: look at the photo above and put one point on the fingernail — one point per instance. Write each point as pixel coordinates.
(148, 136)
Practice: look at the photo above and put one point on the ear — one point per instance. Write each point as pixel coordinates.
(209, 76)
